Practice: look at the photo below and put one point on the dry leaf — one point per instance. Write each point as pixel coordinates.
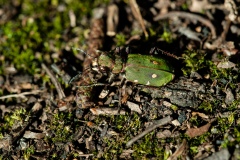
(198, 6)
(176, 122)
(228, 48)
(134, 107)
(33, 135)
(164, 134)
(200, 114)
(229, 96)
(189, 33)
(226, 64)
(194, 132)
(126, 154)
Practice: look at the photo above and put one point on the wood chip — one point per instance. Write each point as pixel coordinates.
(202, 115)
(134, 107)
(107, 111)
(103, 93)
(176, 122)
(164, 134)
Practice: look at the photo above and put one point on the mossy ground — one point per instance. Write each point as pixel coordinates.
(36, 32)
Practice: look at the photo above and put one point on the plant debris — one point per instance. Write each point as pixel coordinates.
(120, 79)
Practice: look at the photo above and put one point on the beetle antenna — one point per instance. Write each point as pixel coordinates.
(74, 78)
(165, 52)
(78, 49)
(92, 85)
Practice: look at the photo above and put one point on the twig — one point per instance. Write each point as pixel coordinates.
(85, 155)
(59, 89)
(190, 16)
(21, 94)
(107, 111)
(112, 19)
(225, 30)
(137, 14)
(221, 39)
(149, 129)
(179, 151)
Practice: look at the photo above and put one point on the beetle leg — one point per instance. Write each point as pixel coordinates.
(111, 78)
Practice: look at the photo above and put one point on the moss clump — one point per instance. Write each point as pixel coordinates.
(60, 126)
(32, 35)
(194, 61)
(13, 119)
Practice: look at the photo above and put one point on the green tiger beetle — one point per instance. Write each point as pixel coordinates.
(141, 69)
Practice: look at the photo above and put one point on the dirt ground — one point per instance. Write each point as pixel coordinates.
(155, 79)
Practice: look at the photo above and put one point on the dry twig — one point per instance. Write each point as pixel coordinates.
(21, 94)
(137, 14)
(190, 16)
(59, 89)
(112, 19)
(107, 111)
(149, 129)
(179, 151)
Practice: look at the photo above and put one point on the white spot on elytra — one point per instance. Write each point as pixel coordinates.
(148, 83)
(136, 81)
(154, 75)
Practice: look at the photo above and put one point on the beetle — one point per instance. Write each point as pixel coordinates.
(141, 69)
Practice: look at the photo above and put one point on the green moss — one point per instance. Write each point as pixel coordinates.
(113, 148)
(120, 39)
(194, 149)
(16, 117)
(194, 61)
(184, 6)
(152, 32)
(28, 152)
(167, 36)
(36, 30)
(61, 127)
(128, 126)
(206, 106)
(148, 146)
(195, 142)
(236, 134)
(234, 105)
(223, 124)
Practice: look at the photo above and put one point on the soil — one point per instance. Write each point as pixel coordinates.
(60, 100)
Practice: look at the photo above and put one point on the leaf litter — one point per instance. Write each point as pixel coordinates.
(99, 115)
